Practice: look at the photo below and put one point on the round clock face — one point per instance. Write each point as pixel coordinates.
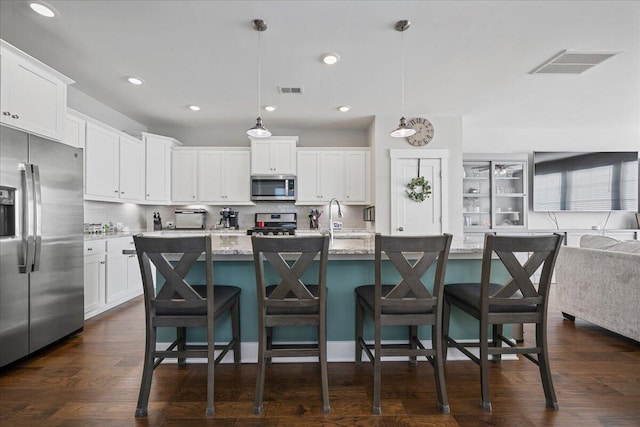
(424, 131)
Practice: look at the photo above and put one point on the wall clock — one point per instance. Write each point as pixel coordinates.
(424, 132)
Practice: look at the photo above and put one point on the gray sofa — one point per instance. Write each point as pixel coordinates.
(600, 283)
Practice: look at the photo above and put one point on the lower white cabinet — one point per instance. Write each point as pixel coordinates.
(110, 277)
(94, 276)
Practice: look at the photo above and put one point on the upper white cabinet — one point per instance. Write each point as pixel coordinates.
(274, 156)
(158, 167)
(114, 165)
(223, 176)
(33, 96)
(75, 130)
(184, 163)
(325, 174)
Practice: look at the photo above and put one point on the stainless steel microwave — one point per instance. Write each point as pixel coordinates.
(273, 187)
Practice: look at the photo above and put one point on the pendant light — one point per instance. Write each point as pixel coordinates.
(259, 131)
(402, 131)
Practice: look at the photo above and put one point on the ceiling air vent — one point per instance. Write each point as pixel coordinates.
(573, 62)
(290, 90)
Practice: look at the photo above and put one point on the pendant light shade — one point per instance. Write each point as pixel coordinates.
(259, 131)
(402, 131)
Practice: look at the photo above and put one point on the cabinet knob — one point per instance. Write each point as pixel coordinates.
(148, 195)
(122, 192)
(115, 191)
(400, 228)
(15, 116)
(6, 113)
(102, 262)
(89, 249)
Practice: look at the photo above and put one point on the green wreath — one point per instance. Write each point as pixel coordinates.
(418, 189)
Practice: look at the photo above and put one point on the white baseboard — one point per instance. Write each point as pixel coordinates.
(337, 351)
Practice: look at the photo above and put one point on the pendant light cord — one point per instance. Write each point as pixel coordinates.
(402, 72)
(259, 70)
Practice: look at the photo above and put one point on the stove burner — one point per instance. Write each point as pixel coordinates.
(276, 231)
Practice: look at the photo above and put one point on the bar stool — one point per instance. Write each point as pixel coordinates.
(517, 301)
(290, 302)
(181, 304)
(407, 303)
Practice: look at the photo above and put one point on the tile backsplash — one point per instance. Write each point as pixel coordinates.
(140, 217)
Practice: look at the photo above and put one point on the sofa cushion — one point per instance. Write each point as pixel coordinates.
(610, 244)
(597, 242)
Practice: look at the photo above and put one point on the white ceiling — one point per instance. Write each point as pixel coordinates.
(462, 58)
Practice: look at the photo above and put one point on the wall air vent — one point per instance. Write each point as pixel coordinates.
(290, 90)
(573, 62)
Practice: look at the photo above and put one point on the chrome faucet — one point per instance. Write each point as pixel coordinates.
(331, 216)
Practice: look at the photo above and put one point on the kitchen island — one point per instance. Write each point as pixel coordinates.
(351, 264)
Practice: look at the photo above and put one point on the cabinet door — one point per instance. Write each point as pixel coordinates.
(101, 163)
(283, 157)
(237, 176)
(183, 176)
(357, 176)
(74, 132)
(134, 276)
(332, 182)
(211, 165)
(131, 169)
(261, 158)
(509, 194)
(117, 276)
(33, 99)
(94, 282)
(157, 171)
(308, 177)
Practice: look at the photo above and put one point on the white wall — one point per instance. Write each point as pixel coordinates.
(95, 109)
(448, 136)
(478, 139)
(230, 137)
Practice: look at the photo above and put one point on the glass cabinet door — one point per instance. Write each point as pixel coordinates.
(509, 194)
(477, 195)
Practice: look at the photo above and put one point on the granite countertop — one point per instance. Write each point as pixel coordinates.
(350, 243)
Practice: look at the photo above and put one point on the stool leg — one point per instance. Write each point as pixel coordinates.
(235, 327)
(545, 370)
(377, 369)
(257, 404)
(181, 334)
(359, 329)
(438, 369)
(413, 335)
(147, 372)
(324, 376)
(484, 367)
(446, 312)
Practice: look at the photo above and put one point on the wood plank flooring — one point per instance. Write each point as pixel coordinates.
(92, 379)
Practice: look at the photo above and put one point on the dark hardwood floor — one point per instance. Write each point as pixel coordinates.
(92, 379)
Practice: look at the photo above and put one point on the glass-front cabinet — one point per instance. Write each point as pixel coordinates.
(495, 193)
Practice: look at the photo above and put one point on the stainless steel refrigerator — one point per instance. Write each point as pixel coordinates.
(41, 243)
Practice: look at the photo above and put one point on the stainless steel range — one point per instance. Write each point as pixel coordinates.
(274, 224)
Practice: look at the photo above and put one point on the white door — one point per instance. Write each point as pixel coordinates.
(410, 218)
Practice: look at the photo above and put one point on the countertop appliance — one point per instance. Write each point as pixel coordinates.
(229, 218)
(274, 223)
(273, 187)
(41, 246)
(190, 219)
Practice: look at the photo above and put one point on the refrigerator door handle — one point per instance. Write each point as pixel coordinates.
(38, 217)
(28, 210)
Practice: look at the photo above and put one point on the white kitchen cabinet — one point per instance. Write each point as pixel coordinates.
(158, 167)
(124, 280)
(325, 174)
(224, 176)
(101, 157)
(320, 176)
(273, 156)
(114, 165)
(357, 177)
(131, 170)
(94, 277)
(33, 96)
(75, 131)
(184, 163)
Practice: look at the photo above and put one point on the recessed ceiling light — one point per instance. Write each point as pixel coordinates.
(194, 108)
(135, 80)
(330, 58)
(270, 108)
(344, 108)
(42, 8)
